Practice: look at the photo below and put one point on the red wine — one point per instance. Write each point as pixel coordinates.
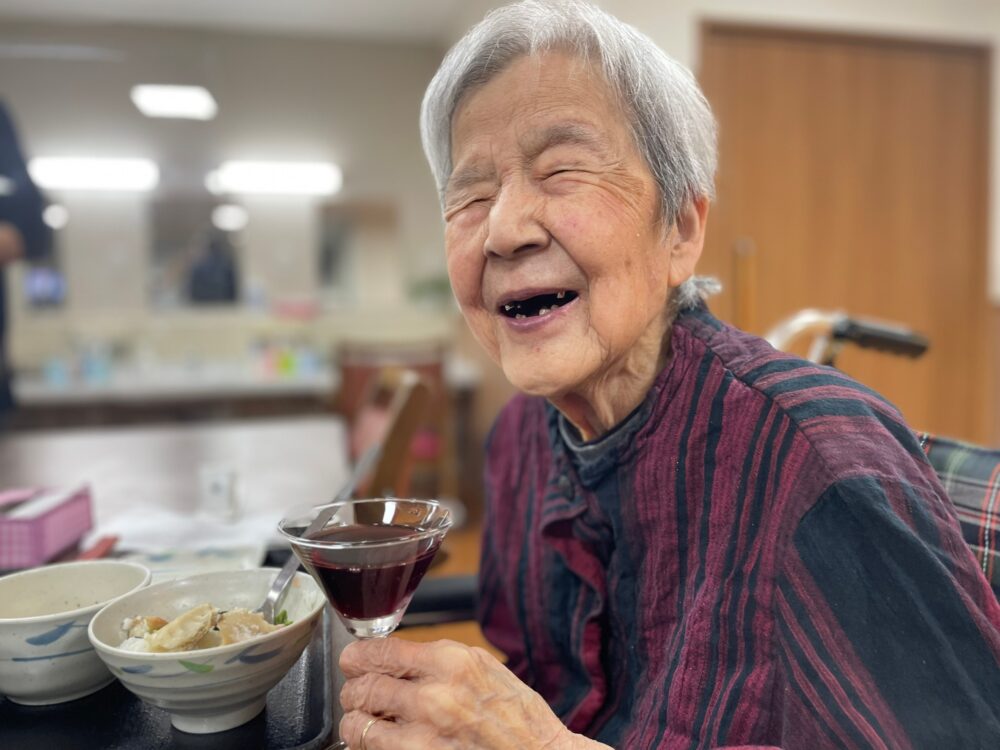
(364, 583)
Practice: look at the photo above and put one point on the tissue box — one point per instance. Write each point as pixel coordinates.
(36, 525)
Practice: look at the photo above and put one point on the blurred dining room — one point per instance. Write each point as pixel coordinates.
(242, 261)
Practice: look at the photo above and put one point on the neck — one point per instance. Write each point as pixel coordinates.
(597, 406)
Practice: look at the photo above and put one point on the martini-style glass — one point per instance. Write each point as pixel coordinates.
(368, 555)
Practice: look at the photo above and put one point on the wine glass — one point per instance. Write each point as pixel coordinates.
(368, 555)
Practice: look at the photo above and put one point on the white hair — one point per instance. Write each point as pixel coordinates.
(670, 120)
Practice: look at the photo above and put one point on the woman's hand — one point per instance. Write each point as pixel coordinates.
(442, 695)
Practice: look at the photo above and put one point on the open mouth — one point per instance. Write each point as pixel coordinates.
(541, 304)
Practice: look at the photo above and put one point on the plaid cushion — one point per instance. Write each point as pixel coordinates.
(971, 477)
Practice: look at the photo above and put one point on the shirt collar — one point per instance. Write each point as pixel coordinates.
(595, 458)
(592, 460)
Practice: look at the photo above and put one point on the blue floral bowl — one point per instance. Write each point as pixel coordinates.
(212, 689)
(45, 655)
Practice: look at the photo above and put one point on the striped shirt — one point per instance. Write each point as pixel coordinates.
(758, 556)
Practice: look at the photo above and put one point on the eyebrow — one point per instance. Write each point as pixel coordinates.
(565, 134)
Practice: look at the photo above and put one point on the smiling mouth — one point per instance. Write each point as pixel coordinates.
(536, 306)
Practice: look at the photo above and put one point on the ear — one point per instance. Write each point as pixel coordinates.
(687, 238)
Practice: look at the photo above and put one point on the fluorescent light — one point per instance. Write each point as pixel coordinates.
(55, 216)
(186, 102)
(74, 52)
(275, 178)
(229, 217)
(57, 173)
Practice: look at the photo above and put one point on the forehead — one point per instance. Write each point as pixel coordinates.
(535, 93)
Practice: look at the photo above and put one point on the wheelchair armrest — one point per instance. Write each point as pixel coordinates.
(441, 600)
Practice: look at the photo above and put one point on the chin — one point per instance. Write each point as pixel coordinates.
(535, 380)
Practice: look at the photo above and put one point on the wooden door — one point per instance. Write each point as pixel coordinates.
(853, 176)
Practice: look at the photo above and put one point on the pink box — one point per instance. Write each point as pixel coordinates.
(36, 524)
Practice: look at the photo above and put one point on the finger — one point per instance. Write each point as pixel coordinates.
(391, 656)
(382, 735)
(381, 695)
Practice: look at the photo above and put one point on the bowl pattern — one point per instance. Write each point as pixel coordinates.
(47, 658)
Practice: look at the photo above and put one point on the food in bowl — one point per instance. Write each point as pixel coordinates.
(45, 655)
(218, 688)
(202, 626)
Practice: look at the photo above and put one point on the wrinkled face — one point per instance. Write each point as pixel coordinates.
(554, 245)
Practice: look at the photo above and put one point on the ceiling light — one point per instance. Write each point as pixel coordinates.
(229, 217)
(72, 52)
(55, 216)
(185, 102)
(57, 173)
(275, 178)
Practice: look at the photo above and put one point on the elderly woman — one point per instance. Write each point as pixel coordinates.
(692, 540)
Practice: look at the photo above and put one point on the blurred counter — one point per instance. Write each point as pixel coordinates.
(133, 395)
(207, 391)
(93, 369)
(130, 386)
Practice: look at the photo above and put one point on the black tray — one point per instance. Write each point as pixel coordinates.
(298, 716)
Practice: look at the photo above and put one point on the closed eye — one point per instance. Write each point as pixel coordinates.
(563, 172)
(476, 201)
(465, 203)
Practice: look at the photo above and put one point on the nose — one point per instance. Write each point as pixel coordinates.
(514, 226)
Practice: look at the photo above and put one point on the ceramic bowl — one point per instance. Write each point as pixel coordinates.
(45, 655)
(213, 689)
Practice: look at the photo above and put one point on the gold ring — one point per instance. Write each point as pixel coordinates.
(364, 733)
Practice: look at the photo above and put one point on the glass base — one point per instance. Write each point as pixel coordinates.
(376, 627)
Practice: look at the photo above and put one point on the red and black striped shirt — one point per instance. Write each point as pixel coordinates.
(760, 555)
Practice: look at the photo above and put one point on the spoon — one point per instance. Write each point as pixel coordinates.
(269, 607)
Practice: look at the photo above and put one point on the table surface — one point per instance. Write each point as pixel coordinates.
(279, 463)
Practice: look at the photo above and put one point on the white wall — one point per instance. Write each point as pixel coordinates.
(104, 251)
(280, 246)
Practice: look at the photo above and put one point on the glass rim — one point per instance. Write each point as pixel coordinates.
(447, 522)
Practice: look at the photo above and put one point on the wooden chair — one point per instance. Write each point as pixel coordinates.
(366, 369)
(390, 415)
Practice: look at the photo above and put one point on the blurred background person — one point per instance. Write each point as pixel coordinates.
(212, 279)
(23, 233)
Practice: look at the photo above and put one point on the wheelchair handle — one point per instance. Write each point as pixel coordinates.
(873, 334)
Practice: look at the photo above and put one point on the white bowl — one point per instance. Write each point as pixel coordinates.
(212, 689)
(45, 655)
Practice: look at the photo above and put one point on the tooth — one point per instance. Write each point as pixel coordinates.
(544, 311)
(560, 295)
(519, 316)
(508, 308)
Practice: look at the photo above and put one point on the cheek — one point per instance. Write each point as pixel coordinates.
(465, 263)
(465, 271)
(627, 295)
